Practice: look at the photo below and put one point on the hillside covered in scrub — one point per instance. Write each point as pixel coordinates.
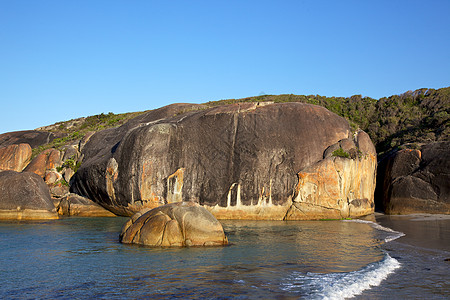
(413, 118)
(421, 116)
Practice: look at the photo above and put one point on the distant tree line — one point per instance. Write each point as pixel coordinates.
(412, 118)
(409, 119)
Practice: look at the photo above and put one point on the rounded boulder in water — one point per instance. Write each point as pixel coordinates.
(175, 224)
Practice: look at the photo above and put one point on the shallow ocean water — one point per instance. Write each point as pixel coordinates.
(82, 258)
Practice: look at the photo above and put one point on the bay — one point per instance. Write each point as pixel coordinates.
(82, 258)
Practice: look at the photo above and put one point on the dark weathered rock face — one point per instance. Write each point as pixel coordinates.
(176, 224)
(415, 181)
(24, 196)
(104, 142)
(97, 150)
(34, 138)
(239, 161)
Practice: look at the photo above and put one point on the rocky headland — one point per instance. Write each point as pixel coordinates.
(268, 157)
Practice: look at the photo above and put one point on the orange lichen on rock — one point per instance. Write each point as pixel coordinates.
(175, 186)
(335, 187)
(147, 187)
(47, 160)
(15, 157)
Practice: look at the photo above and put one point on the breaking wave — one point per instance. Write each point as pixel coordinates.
(341, 285)
(346, 284)
(393, 235)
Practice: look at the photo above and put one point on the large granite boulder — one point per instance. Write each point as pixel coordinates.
(34, 138)
(175, 224)
(15, 157)
(24, 196)
(415, 180)
(240, 161)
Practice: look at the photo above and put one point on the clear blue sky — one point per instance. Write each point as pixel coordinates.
(61, 60)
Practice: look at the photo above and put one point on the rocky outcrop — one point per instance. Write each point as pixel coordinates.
(239, 161)
(34, 138)
(46, 165)
(415, 180)
(24, 196)
(339, 186)
(47, 160)
(175, 224)
(75, 205)
(15, 157)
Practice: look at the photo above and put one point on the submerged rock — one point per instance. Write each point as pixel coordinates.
(24, 196)
(240, 161)
(175, 224)
(415, 181)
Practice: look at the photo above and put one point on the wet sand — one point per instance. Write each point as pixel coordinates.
(421, 230)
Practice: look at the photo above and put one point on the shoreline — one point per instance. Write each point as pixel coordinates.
(427, 231)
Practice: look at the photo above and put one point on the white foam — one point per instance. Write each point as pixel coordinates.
(395, 234)
(346, 285)
(342, 285)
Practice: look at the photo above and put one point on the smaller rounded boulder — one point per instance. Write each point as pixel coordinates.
(175, 224)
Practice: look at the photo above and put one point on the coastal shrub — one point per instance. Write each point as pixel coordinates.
(417, 116)
(63, 182)
(72, 164)
(341, 153)
(35, 152)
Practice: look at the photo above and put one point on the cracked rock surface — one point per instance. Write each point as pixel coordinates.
(176, 224)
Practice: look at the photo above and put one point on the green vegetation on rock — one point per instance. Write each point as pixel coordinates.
(421, 116)
(71, 163)
(414, 117)
(74, 130)
(341, 153)
(79, 127)
(62, 181)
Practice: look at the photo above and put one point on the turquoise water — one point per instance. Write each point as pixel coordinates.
(82, 258)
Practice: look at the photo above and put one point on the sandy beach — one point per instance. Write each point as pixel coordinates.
(430, 231)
